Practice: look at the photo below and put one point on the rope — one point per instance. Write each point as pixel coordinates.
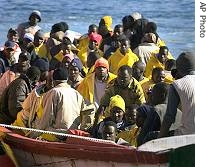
(56, 133)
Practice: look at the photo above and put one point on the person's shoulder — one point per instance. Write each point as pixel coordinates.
(23, 24)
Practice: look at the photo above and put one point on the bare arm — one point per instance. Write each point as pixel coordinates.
(169, 118)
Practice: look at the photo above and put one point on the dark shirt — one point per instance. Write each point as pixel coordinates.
(152, 122)
(4, 63)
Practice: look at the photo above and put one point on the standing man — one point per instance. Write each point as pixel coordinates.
(182, 92)
(30, 26)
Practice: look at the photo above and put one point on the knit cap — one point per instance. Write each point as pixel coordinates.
(60, 74)
(101, 62)
(95, 37)
(76, 63)
(42, 64)
(117, 101)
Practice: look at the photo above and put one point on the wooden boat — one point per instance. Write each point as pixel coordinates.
(80, 151)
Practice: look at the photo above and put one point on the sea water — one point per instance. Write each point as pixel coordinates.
(175, 18)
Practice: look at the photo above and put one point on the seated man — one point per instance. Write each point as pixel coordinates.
(125, 86)
(61, 106)
(117, 109)
(155, 114)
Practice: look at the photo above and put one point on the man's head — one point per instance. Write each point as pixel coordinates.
(75, 68)
(92, 29)
(124, 76)
(141, 115)
(43, 66)
(124, 45)
(149, 38)
(60, 75)
(109, 131)
(24, 62)
(138, 70)
(67, 46)
(130, 114)
(159, 93)
(158, 75)
(38, 38)
(101, 69)
(117, 108)
(94, 41)
(118, 30)
(12, 35)
(33, 74)
(163, 54)
(9, 49)
(105, 25)
(35, 17)
(185, 64)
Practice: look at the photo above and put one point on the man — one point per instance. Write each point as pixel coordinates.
(93, 86)
(117, 110)
(138, 72)
(93, 46)
(30, 26)
(61, 106)
(147, 46)
(122, 56)
(40, 50)
(158, 75)
(155, 113)
(125, 86)
(75, 76)
(7, 58)
(157, 60)
(84, 39)
(15, 71)
(14, 95)
(107, 43)
(182, 92)
(12, 35)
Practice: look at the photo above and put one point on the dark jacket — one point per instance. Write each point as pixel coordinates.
(13, 97)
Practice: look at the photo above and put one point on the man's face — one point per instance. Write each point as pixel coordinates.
(34, 19)
(109, 133)
(9, 52)
(93, 45)
(101, 73)
(162, 56)
(159, 77)
(130, 116)
(73, 73)
(124, 46)
(66, 49)
(117, 114)
(123, 78)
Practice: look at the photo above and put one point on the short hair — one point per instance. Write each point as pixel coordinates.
(170, 64)
(156, 70)
(163, 48)
(125, 68)
(162, 89)
(132, 107)
(33, 73)
(110, 123)
(151, 27)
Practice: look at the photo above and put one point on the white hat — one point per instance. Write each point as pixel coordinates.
(29, 36)
(136, 16)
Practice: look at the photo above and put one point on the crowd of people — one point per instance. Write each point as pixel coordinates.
(111, 84)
